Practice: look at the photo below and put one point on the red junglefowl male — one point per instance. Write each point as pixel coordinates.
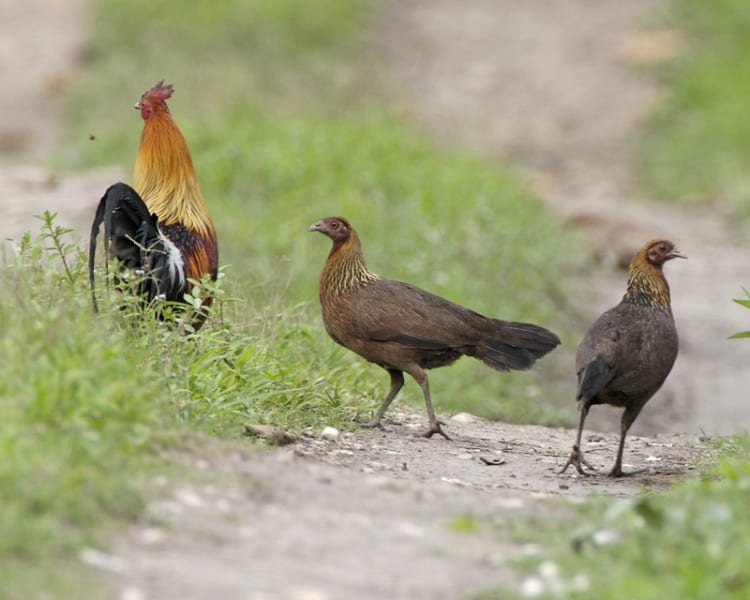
(160, 227)
(629, 350)
(405, 329)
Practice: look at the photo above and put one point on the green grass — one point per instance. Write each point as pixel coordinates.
(696, 148)
(282, 113)
(691, 542)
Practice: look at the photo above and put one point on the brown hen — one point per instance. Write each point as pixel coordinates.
(405, 329)
(628, 352)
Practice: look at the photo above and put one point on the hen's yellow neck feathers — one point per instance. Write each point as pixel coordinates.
(345, 269)
(165, 178)
(647, 284)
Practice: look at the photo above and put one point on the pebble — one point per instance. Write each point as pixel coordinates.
(152, 535)
(102, 560)
(132, 593)
(330, 433)
(464, 417)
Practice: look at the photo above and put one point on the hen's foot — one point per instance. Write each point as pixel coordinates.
(576, 459)
(372, 424)
(435, 428)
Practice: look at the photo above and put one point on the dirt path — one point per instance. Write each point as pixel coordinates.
(369, 514)
(41, 45)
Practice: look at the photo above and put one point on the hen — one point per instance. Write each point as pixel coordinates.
(628, 352)
(405, 329)
(160, 228)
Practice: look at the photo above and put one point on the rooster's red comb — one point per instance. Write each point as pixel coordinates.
(159, 91)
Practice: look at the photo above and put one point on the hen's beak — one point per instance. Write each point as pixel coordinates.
(314, 227)
(675, 253)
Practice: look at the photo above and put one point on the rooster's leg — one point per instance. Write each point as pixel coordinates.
(397, 382)
(576, 456)
(628, 416)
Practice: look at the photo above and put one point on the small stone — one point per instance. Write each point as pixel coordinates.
(464, 417)
(132, 593)
(189, 497)
(152, 535)
(330, 433)
(102, 560)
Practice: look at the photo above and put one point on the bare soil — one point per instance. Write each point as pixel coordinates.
(369, 514)
(41, 49)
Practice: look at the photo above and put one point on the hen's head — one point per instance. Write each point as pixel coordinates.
(336, 228)
(153, 101)
(656, 253)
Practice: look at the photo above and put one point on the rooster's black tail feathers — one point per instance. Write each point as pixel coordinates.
(133, 237)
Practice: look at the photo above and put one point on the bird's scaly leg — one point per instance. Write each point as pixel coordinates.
(434, 422)
(628, 416)
(397, 382)
(576, 456)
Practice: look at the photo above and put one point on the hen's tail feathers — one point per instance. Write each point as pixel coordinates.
(132, 236)
(595, 376)
(515, 345)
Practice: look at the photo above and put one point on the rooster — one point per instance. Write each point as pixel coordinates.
(160, 227)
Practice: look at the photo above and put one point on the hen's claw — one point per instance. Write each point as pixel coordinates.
(575, 459)
(372, 424)
(435, 428)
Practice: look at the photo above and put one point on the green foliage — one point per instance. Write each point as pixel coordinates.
(697, 146)
(78, 411)
(746, 303)
(85, 399)
(692, 542)
(464, 523)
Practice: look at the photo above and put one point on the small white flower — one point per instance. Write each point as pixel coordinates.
(604, 537)
(532, 587)
(549, 570)
(580, 582)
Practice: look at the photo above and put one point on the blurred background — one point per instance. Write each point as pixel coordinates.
(510, 156)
